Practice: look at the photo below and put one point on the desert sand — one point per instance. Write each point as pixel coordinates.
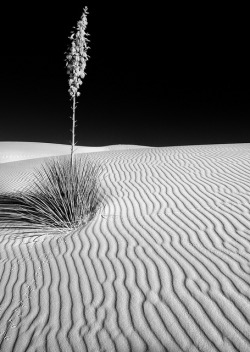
(163, 266)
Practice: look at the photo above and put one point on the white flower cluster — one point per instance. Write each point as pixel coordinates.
(77, 56)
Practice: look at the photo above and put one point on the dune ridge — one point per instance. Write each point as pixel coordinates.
(15, 151)
(164, 266)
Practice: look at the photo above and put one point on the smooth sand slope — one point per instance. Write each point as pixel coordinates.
(14, 151)
(164, 266)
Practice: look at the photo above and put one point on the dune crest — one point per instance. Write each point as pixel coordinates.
(16, 151)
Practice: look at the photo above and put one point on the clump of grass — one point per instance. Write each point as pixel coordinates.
(64, 197)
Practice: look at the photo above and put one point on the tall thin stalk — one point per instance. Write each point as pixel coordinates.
(73, 131)
(76, 59)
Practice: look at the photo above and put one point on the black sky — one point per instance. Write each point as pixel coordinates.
(158, 76)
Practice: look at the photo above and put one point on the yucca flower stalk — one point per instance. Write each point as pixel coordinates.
(76, 62)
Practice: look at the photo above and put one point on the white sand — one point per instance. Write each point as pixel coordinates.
(165, 266)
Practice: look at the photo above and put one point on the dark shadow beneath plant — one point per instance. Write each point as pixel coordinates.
(64, 197)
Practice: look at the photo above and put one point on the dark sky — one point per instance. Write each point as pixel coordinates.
(156, 76)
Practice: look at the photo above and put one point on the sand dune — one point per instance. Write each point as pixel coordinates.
(164, 266)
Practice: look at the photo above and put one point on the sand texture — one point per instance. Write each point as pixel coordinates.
(164, 265)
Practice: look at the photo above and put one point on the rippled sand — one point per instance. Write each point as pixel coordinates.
(164, 265)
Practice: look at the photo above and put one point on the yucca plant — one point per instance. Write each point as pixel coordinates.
(61, 199)
(76, 59)
(65, 195)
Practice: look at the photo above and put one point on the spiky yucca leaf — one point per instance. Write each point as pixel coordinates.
(63, 197)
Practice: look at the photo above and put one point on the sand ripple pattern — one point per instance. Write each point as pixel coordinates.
(164, 266)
